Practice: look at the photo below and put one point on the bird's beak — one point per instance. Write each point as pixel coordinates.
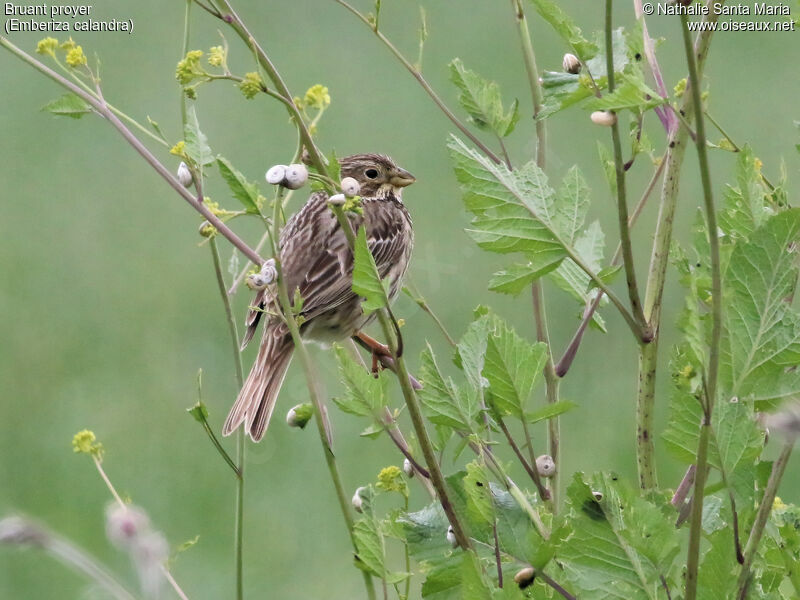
(401, 178)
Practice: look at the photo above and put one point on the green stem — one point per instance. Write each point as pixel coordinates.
(240, 436)
(645, 408)
(622, 200)
(778, 469)
(695, 531)
(660, 255)
(264, 61)
(313, 390)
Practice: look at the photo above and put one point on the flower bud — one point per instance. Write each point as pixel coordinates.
(350, 187)
(275, 174)
(299, 416)
(545, 465)
(408, 468)
(358, 501)
(451, 537)
(606, 118)
(524, 577)
(296, 176)
(571, 64)
(184, 175)
(337, 199)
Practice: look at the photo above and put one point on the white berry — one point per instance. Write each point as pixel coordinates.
(295, 176)
(545, 465)
(358, 501)
(408, 468)
(184, 175)
(276, 174)
(606, 118)
(350, 187)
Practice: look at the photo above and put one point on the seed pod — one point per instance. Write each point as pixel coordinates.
(299, 416)
(358, 501)
(545, 465)
(451, 537)
(337, 199)
(408, 468)
(275, 174)
(525, 577)
(296, 176)
(184, 175)
(571, 64)
(350, 187)
(606, 118)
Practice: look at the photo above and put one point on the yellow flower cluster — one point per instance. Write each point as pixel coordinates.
(76, 57)
(392, 479)
(189, 68)
(85, 442)
(216, 56)
(317, 96)
(251, 85)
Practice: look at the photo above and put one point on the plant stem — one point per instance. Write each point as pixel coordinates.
(102, 108)
(424, 83)
(622, 201)
(531, 470)
(648, 353)
(778, 469)
(264, 61)
(695, 531)
(552, 383)
(313, 390)
(240, 436)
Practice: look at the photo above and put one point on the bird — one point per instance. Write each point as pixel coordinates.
(317, 262)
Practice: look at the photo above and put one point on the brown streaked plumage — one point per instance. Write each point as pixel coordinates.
(317, 261)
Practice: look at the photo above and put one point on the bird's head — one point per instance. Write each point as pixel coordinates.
(377, 175)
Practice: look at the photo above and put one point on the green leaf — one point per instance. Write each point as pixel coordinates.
(621, 545)
(549, 411)
(572, 204)
(761, 340)
(479, 496)
(199, 412)
(196, 143)
(631, 94)
(445, 406)
(366, 282)
(473, 581)
(481, 99)
(471, 351)
(562, 90)
(512, 367)
(745, 208)
(718, 570)
(516, 278)
(566, 28)
(68, 105)
(243, 190)
(364, 394)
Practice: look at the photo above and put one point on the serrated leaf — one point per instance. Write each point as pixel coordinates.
(745, 208)
(471, 351)
(620, 546)
(243, 190)
(630, 94)
(761, 339)
(364, 394)
(549, 411)
(366, 282)
(196, 143)
(481, 100)
(718, 568)
(479, 497)
(512, 367)
(68, 105)
(370, 551)
(440, 397)
(562, 90)
(573, 203)
(566, 28)
(512, 280)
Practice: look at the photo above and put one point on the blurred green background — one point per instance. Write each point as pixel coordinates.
(108, 305)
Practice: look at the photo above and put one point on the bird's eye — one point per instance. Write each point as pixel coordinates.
(371, 173)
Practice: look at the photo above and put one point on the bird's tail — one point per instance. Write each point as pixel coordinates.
(256, 400)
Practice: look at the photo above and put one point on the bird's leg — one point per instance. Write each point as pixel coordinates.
(375, 347)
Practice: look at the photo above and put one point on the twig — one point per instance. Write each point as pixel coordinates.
(695, 530)
(531, 470)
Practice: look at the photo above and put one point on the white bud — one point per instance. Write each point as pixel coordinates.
(275, 174)
(358, 501)
(571, 64)
(256, 282)
(299, 415)
(350, 187)
(524, 577)
(451, 537)
(545, 465)
(296, 176)
(337, 199)
(184, 175)
(606, 118)
(408, 468)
